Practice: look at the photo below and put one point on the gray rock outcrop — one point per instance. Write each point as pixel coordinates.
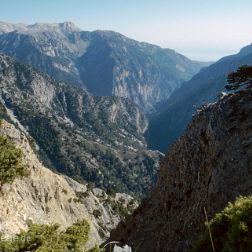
(48, 198)
(208, 166)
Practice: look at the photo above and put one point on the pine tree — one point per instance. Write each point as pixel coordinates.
(239, 78)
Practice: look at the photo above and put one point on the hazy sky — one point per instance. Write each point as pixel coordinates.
(200, 29)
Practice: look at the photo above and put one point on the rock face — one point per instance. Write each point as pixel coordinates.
(103, 62)
(210, 165)
(98, 139)
(174, 115)
(47, 198)
(7, 27)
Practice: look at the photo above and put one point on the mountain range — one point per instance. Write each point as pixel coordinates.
(95, 139)
(104, 63)
(174, 115)
(90, 106)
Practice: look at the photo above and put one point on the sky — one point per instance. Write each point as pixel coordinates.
(203, 30)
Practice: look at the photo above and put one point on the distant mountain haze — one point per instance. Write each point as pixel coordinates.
(174, 115)
(102, 62)
(101, 109)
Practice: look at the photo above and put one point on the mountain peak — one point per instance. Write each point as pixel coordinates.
(69, 26)
(126, 67)
(65, 27)
(246, 50)
(9, 27)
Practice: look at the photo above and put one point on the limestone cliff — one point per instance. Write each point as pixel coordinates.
(102, 62)
(46, 198)
(210, 165)
(97, 139)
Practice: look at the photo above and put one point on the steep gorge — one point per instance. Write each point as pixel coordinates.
(96, 139)
(176, 113)
(208, 166)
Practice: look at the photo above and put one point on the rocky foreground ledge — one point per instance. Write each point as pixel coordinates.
(210, 165)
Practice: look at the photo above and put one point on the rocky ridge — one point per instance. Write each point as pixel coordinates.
(48, 198)
(175, 114)
(208, 166)
(102, 62)
(97, 139)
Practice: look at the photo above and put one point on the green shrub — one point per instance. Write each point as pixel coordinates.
(231, 229)
(77, 235)
(7, 246)
(11, 165)
(41, 238)
(95, 249)
(47, 209)
(45, 238)
(76, 200)
(3, 113)
(90, 187)
(119, 209)
(97, 213)
(131, 205)
(110, 191)
(64, 191)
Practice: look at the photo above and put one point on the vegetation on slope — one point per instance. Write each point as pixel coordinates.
(231, 229)
(97, 139)
(11, 165)
(45, 238)
(239, 78)
(3, 112)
